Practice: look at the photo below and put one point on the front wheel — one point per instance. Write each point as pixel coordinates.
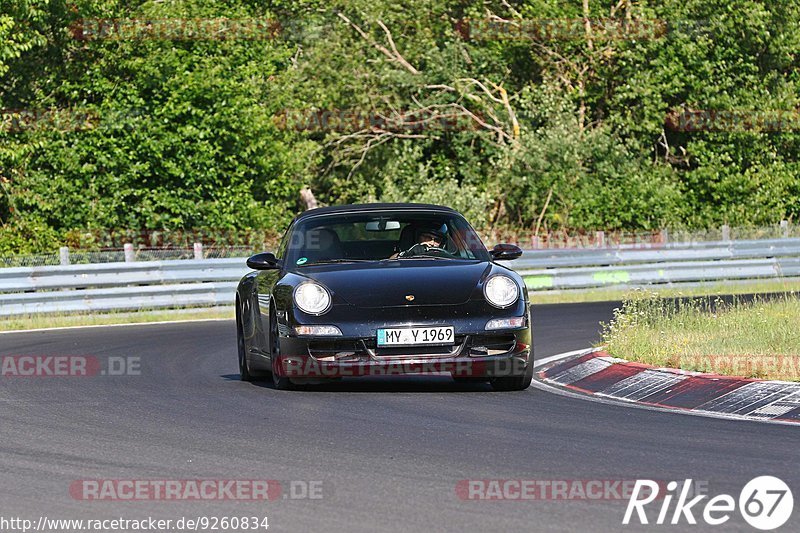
(244, 368)
(245, 372)
(511, 383)
(280, 382)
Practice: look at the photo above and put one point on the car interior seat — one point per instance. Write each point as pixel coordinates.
(323, 244)
(408, 238)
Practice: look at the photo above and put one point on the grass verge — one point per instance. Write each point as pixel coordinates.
(702, 289)
(24, 322)
(758, 338)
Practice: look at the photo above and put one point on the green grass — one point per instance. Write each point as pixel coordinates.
(760, 338)
(103, 319)
(707, 289)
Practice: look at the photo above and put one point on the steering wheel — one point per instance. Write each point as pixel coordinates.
(422, 249)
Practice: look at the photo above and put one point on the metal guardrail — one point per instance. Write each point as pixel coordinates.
(119, 286)
(212, 282)
(670, 263)
(65, 256)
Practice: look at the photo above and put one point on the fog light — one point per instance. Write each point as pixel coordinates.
(318, 331)
(506, 323)
(479, 351)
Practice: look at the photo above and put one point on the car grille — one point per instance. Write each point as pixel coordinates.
(336, 350)
(486, 345)
(363, 350)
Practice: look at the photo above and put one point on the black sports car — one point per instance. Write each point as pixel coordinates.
(381, 289)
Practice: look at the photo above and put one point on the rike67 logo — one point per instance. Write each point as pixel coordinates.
(765, 503)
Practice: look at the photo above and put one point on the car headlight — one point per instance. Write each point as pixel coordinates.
(312, 298)
(501, 291)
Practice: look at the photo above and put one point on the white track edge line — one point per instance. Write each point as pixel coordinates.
(546, 360)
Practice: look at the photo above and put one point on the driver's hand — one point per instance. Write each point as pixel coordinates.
(414, 250)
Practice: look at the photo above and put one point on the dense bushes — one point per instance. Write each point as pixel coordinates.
(166, 134)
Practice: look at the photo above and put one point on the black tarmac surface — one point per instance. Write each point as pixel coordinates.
(389, 451)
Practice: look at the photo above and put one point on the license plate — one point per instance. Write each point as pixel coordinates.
(415, 336)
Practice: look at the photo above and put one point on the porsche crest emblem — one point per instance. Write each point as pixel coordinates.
(410, 297)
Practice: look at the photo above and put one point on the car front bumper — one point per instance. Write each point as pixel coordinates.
(473, 355)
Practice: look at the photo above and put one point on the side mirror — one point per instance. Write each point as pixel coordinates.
(264, 261)
(505, 252)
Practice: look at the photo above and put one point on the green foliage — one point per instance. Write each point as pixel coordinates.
(167, 134)
(708, 334)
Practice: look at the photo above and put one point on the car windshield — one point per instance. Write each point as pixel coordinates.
(382, 236)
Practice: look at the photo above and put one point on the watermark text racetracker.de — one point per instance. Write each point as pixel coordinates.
(50, 366)
(299, 366)
(575, 29)
(782, 367)
(133, 490)
(175, 29)
(733, 120)
(358, 120)
(527, 490)
(66, 119)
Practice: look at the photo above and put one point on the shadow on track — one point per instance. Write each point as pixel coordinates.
(372, 384)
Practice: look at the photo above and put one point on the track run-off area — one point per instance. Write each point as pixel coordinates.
(367, 454)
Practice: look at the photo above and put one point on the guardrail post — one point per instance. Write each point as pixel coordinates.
(129, 256)
(664, 236)
(198, 250)
(600, 239)
(726, 232)
(535, 242)
(785, 229)
(63, 253)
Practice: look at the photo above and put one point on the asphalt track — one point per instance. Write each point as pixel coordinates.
(389, 451)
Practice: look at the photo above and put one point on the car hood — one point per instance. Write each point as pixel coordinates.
(389, 283)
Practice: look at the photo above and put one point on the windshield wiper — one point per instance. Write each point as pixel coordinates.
(328, 261)
(429, 257)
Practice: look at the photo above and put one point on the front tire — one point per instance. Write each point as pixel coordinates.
(245, 373)
(512, 383)
(280, 382)
(244, 368)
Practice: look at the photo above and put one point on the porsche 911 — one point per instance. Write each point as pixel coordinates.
(383, 289)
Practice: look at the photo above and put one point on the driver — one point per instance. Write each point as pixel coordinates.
(429, 238)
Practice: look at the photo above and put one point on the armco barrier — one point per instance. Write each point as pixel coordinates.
(672, 263)
(119, 286)
(212, 282)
